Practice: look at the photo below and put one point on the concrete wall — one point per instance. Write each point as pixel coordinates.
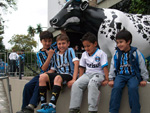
(64, 99)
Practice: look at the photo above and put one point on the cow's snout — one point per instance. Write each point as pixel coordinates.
(54, 21)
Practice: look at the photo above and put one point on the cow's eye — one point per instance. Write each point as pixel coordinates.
(69, 8)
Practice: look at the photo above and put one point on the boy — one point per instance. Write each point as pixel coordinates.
(127, 67)
(44, 60)
(94, 63)
(66, 67)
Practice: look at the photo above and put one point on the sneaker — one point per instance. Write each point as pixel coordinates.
(27, 109)
(92, 111)
(74, 111)
(47, 108)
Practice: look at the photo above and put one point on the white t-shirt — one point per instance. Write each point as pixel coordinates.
(95, 62)
(13, 56)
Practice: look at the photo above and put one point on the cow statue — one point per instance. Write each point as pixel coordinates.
(105, 23)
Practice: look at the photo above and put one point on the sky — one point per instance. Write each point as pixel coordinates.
(29, 13)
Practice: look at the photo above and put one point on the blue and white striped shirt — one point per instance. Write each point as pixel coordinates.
(125, 66)
(42, 56)
(64, 63)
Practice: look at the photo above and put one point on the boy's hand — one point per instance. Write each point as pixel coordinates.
(105, 82)
(51, 52)
(143, 83)
(69, 84)
(111, 83)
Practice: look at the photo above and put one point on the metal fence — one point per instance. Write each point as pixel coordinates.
(30, 67)
(26, 66)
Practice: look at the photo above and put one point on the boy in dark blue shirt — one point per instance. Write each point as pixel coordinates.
(127, 67)
(44, 60)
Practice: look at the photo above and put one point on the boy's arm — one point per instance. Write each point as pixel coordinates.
(106, 75)
(75, 74)
(51, 71)
(47, 62)
(142, 66)
(81, 71)
(112, 74)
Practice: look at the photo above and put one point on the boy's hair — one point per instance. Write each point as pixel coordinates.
(124, 34)
(89, 37)
(46, 35)
(62, 37)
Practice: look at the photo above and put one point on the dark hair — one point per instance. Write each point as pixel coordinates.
(46, 35)
(89, 37)
(62, 37)
(124, 34)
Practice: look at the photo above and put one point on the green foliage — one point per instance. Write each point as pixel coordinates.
(23, 42)
(140, 7)
(5, 7)
(31, 30)
(2, 47)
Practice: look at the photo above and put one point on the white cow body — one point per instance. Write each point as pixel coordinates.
(106, 23)
(106, 43)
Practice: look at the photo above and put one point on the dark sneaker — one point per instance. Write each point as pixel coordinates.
(74, 111)
(27, 109)
(92, 111)
(47, 108)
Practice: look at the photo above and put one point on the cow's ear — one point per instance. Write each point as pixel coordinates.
(84, 5)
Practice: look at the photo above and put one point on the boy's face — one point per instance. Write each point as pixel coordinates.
(89, 47)
(123, 45)
(46, 43)
(62, 46)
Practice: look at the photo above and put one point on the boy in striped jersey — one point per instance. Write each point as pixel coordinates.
(93, 72)
(66, 67)
(127, 67)
(44, 60)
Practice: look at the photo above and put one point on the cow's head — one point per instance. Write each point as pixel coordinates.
(70, 15)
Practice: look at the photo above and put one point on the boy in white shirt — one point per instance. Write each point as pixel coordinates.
(94, 63)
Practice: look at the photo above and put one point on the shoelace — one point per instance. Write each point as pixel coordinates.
(46, 106)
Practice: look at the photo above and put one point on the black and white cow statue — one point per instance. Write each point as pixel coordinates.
(106, 23)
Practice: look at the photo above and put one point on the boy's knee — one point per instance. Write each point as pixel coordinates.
(133, 89)
(26, 86)
(58, 79)
(93, 83)
(43, 77)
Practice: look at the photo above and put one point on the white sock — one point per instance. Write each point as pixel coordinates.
(54, 106)
(31, 106)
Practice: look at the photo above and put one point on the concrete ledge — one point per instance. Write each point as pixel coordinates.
(64, 99)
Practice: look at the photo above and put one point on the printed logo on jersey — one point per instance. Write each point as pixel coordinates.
(97, 58)
(63, 65)
(93, 65)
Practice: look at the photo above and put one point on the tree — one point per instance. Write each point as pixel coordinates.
(2, 47)
(133, 6)
(24, 42)
(5, 6)
(32, 30)
(140, 6)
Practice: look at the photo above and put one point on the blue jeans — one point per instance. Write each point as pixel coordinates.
(31, 92)
(119, 83)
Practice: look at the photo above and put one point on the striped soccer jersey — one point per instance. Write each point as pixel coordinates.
(42, 56)
(95, 62)
(64, 63)
(125, 66)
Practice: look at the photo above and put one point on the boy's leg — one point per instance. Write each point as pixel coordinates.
(56, 89)
(116, 93)
(30, 96)
(55, 92)
(93, 91)
(30, 92)
(43, 88)
(133, 94)
(77, 91)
